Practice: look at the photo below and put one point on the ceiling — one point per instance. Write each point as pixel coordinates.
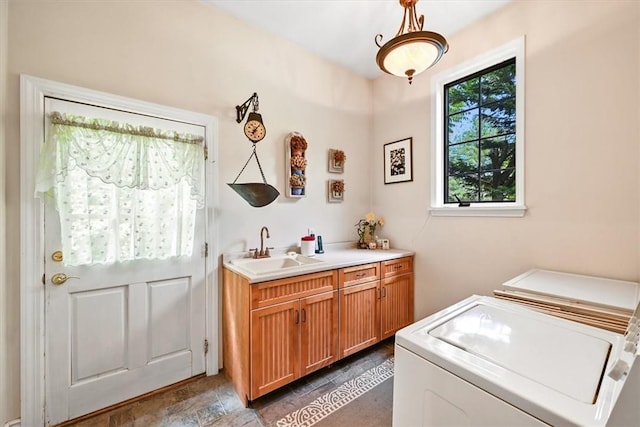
(343, 31)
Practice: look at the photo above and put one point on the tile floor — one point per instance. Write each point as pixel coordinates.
(212, 401)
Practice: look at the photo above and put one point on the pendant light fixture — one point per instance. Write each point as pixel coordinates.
(412, 50)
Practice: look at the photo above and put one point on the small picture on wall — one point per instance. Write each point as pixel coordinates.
(336, 190)
(336, 160)
(398, 163)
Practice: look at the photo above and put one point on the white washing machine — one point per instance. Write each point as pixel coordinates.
(491, 362)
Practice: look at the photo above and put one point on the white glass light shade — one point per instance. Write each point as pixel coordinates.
(412, 53)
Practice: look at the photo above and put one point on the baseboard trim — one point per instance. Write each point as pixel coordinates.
(13, 423)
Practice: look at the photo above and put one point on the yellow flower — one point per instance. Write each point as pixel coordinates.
(381, 222)
(370, 217)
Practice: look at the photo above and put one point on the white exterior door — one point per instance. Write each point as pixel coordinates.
(115, 331)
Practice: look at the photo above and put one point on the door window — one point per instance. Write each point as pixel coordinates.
(123, 192)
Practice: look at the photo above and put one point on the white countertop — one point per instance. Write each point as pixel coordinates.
(334, 257)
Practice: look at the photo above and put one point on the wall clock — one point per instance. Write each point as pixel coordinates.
(254, 128)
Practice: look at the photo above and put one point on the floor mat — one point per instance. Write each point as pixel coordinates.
(341, 397)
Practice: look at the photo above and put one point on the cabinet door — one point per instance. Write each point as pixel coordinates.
(275, 347)
(359, 317)
(318, 331)
(396, 304)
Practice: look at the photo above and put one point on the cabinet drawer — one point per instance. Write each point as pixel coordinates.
(277, 291)
(398, 266)
(359, 274)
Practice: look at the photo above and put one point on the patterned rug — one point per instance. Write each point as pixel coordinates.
(329, 403)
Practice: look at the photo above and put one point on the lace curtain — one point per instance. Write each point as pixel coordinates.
(123, 192)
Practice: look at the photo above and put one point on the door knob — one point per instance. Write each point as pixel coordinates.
(60, 278)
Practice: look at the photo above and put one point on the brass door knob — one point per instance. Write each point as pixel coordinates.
(60, 278)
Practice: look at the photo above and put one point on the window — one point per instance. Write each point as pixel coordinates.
(123, 191)
(478, 138)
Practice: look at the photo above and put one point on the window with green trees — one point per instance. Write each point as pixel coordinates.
(480, 136)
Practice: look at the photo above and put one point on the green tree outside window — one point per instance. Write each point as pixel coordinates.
(480, 163)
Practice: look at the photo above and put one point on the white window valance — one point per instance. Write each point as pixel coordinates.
(125, 155)
(123, 192)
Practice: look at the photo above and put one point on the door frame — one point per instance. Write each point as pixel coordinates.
(33, 91)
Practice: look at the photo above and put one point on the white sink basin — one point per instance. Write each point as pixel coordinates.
(274, 264)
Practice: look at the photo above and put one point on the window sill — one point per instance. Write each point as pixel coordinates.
(480, 211)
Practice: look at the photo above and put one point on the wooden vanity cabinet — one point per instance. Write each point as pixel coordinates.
(292, 328)
(277, 331)
(396, 295)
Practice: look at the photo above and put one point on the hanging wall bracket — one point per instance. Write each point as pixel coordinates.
(241, 110)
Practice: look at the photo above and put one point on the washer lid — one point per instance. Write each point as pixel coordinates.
(557, 357)
(574, 287)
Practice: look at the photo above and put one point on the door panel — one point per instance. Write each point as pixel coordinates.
(359, 317)
(168, 317)
(98, 325)
(396, 304)
(275, 337)
(319, 331)
(116, 331)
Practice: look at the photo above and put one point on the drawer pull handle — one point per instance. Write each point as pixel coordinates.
(297, 317)
(361, 275)
(397, 267)
(304, 315)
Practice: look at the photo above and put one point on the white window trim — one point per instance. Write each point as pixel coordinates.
(515, 48)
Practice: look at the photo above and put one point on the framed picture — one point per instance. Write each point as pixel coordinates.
(336, 161)
(398, 163)
(336, 190)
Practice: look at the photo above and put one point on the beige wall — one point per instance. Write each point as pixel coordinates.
(582, 139)
(581, 134)
(186, 54)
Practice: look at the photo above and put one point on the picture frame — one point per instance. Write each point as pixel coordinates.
(333, 195)
(398, 161)
(336, 166)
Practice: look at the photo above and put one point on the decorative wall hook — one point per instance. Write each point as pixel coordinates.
(241, 110)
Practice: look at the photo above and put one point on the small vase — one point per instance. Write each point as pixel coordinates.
(296, 191)
(371, 235)
(297, 171)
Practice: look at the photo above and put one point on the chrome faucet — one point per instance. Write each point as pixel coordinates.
(264, 253)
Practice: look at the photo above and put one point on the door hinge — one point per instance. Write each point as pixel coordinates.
(44, 280)
(206, 152)
(206, 250)
(206, 346)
